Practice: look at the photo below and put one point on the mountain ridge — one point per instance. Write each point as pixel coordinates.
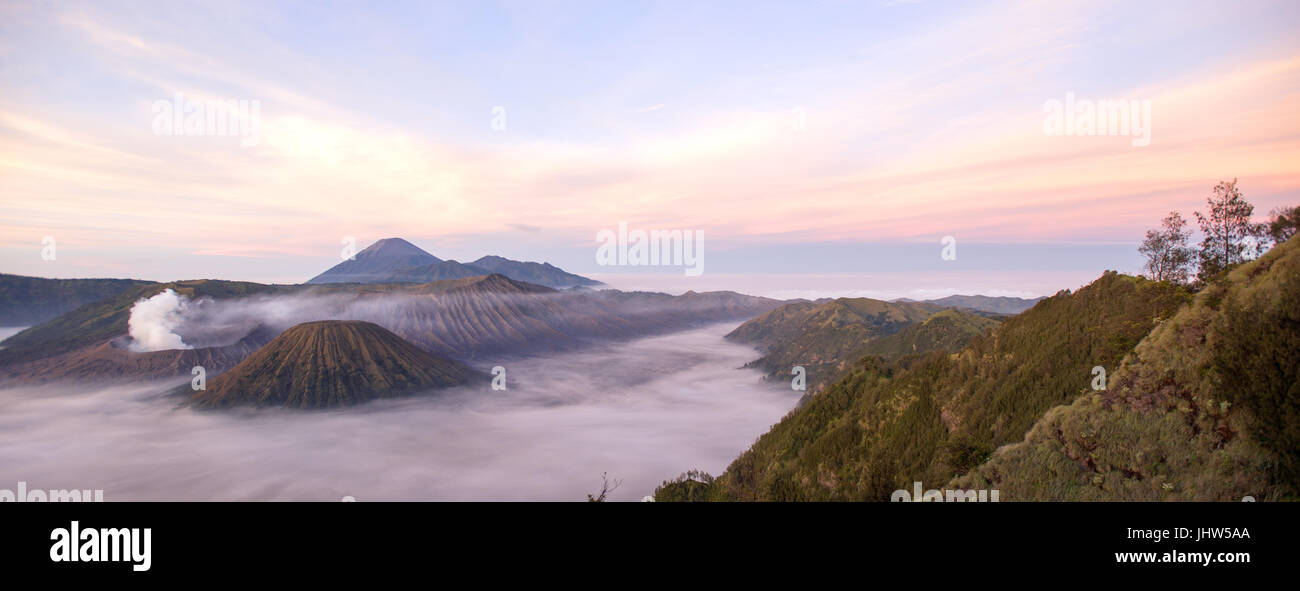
(992, 304)
(28, 301)
(481, 318)
(395, 260)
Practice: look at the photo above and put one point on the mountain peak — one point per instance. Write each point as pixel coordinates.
(394, 247)
(377, 262)
(394, 260)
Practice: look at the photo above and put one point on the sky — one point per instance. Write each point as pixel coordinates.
(819, 148)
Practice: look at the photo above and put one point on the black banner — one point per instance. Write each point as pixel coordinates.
(1174, 541)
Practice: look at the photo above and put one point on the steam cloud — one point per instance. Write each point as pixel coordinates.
(643, 411)
(154, 320)
(171, 321)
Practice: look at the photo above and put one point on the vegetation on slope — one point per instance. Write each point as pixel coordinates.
(824, 337)
(886, 425)
(946, 330)
(1206, 408)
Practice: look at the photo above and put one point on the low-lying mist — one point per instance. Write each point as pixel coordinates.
(643, 411)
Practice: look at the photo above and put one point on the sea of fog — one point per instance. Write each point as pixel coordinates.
(641, 411)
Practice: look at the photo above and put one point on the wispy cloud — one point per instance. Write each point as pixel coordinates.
(934, 132)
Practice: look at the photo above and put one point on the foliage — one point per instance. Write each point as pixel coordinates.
(1206, 408)
(1256, 363)
(1283, 223)
(932, 417)
(1229, 237)
(1166, 250)
(693, 486)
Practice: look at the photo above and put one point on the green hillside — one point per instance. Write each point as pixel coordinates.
(824, 338)
(1207, 407)
(884, 426)
(946, 330)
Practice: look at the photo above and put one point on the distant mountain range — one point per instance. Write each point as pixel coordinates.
(331, 363)
(394, 260)
(28, 301)
(481, 319)
(980, 303)
(394, 297)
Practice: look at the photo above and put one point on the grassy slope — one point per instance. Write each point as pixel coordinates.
(885, 425)
(1206, 408)
(947, 330)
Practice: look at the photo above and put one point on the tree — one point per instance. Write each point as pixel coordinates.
(605, 488)
(1166, 249)
(1283, 223)
(1229, 235)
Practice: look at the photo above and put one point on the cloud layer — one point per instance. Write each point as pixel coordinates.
(643, 412)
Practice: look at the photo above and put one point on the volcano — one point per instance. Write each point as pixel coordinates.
(331, 363)
(377, 262)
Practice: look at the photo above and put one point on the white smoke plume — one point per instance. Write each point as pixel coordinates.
(154, 320)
